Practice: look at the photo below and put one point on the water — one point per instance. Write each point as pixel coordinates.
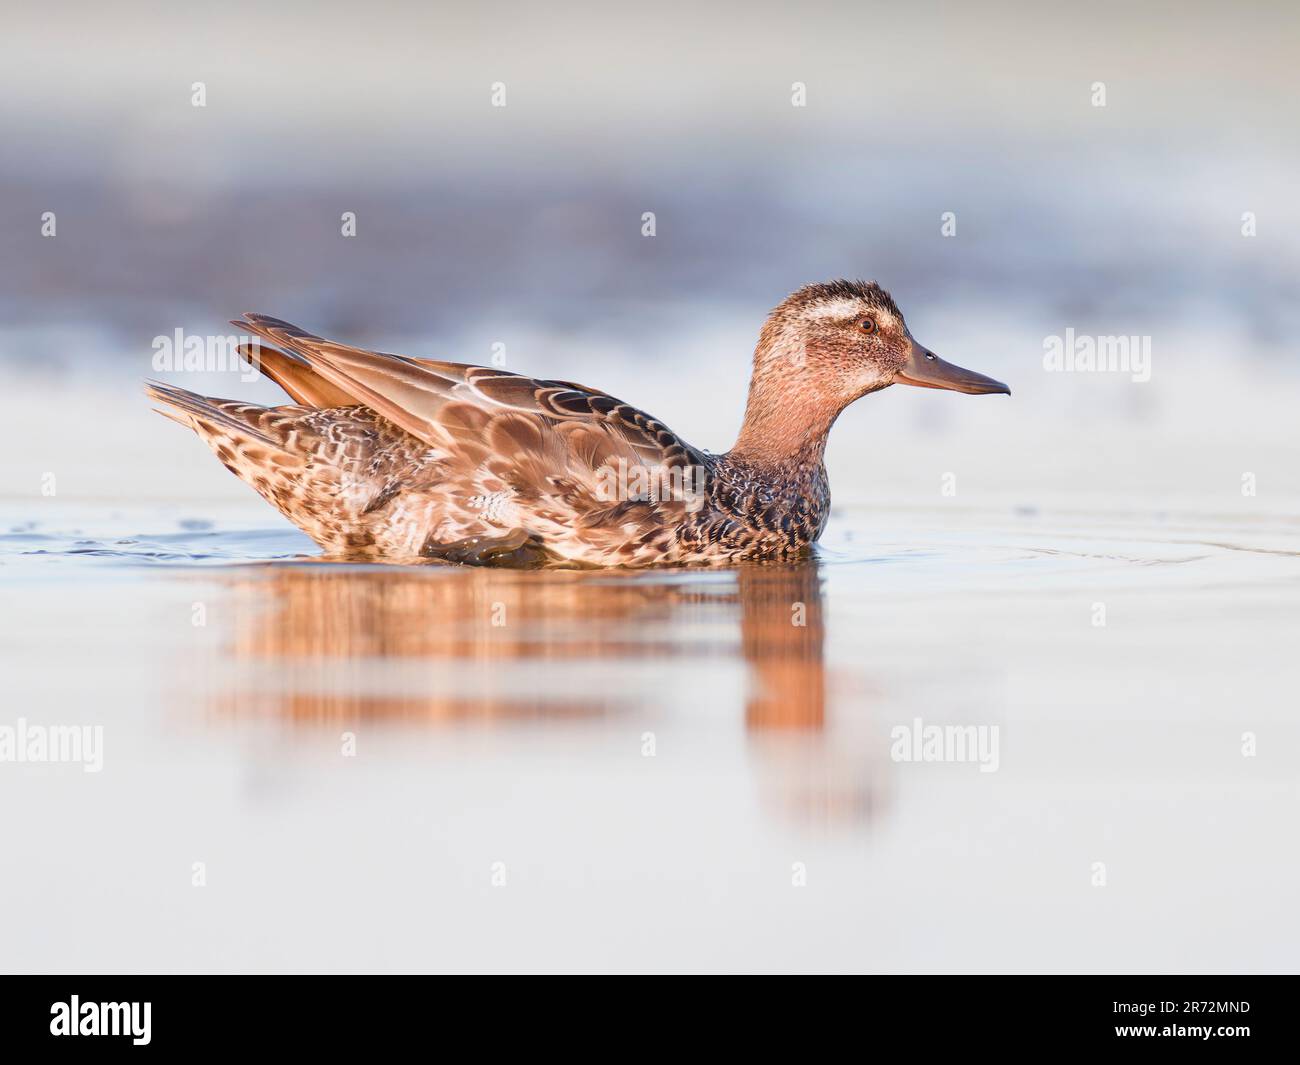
(655, 759)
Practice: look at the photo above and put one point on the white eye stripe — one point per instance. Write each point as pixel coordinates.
(835, 309)
(848, 311)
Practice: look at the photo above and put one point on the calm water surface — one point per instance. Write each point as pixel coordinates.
(561, 770)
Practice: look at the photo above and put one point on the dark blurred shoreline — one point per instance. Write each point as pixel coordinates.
(449, 252)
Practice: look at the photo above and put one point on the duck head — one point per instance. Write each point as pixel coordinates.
(827, 345)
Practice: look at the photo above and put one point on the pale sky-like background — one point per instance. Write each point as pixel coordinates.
(522, 225)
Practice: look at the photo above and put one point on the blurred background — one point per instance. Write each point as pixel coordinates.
(521, 225)
(518, 231)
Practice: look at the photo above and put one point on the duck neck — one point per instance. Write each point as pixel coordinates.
(786, 422)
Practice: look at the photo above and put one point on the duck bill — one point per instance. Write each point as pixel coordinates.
(926, 370)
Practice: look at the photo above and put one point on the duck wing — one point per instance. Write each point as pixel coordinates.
(415, 393)
(305, 386)
(554, 444)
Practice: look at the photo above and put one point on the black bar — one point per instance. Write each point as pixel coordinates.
(334, 1014)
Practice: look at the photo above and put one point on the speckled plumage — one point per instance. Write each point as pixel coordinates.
(388, 457)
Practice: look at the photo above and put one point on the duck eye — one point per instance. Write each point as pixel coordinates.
(869, 325)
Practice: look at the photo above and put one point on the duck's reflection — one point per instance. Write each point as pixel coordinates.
(344, 645)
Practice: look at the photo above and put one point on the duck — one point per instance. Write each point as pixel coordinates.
(391, 458)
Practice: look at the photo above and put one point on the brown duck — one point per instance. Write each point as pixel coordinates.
(387, 457)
